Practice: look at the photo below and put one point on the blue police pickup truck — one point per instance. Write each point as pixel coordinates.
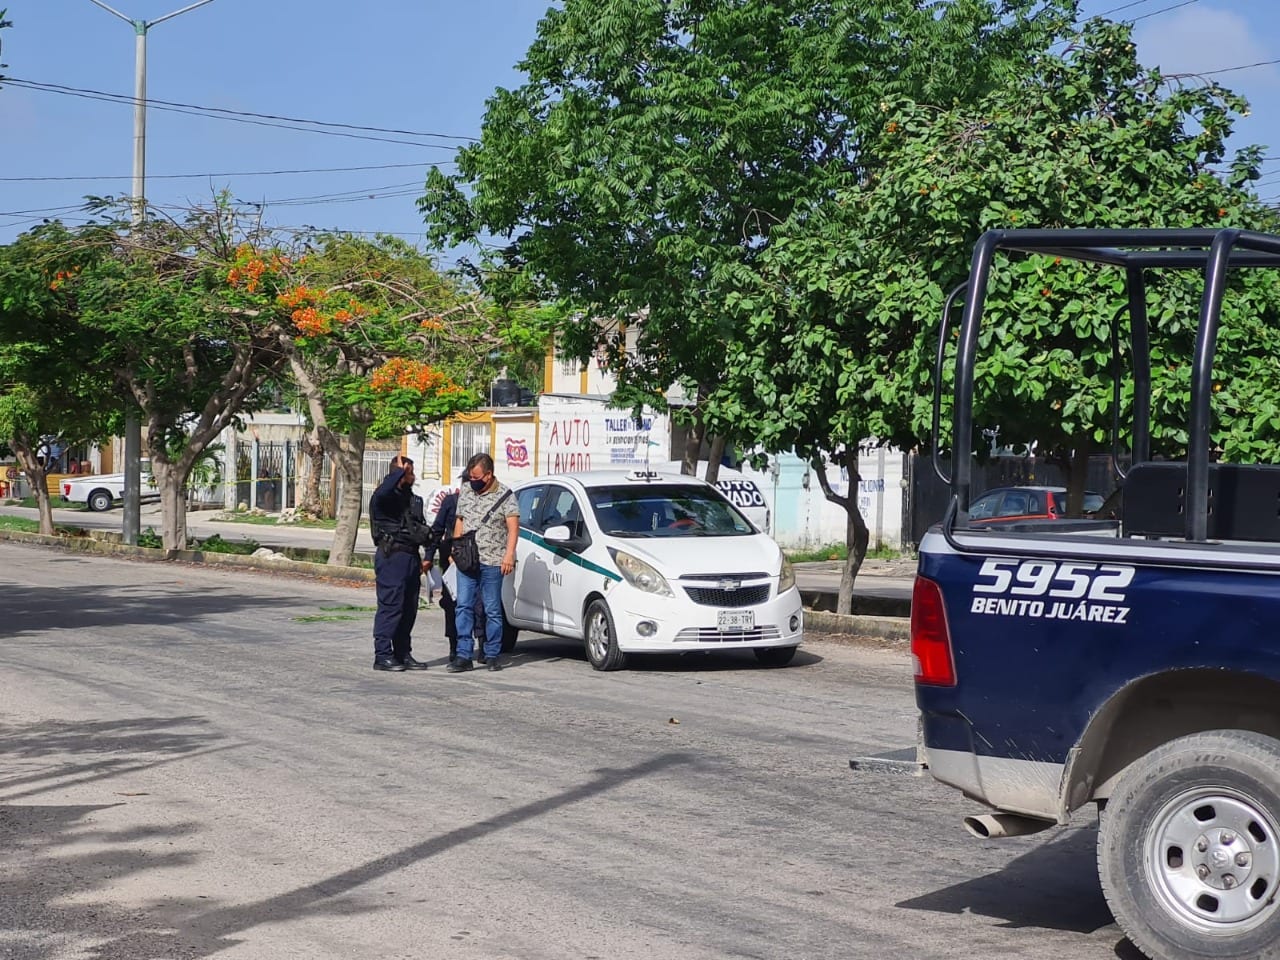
(1130, 663)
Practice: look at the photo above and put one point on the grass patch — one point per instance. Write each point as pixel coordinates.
(838, 551)
(272, 520)
(322, 618)
(351, 607)
(32, 503)
(215, 544)
(21, 524)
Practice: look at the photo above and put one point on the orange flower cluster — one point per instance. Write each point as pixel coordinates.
(310, 321)
(432, 323)
(310, 311)
(249, 268)
(62, 276)
(403, 374)
(298, 296)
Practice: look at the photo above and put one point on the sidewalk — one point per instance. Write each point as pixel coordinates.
(881, 589)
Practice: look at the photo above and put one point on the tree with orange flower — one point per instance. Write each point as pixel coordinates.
(378, 343)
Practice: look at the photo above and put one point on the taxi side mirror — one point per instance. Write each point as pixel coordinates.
(557, 534)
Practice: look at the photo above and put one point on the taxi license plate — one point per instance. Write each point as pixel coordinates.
(736, 619)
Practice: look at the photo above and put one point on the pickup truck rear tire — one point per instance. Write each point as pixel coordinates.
(100, 500)
(1189, 848)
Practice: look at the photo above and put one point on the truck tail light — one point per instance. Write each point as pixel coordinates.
(930, 636)
(66, 489)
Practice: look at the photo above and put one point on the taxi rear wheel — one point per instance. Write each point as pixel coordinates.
(509, 636)
(601, 639)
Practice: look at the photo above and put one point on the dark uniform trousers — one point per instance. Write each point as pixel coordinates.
(399, 581)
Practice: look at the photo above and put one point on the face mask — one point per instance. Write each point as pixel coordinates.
(479, 485)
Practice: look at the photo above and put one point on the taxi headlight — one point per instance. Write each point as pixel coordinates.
(786, 577)
(640, 574)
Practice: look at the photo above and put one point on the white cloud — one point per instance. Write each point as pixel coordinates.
(1199, 39)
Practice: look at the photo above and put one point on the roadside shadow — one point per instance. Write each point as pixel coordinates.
(52, 755)
(1053, 886)
(190, 930)
(59, 866)
(26, 610)
(62, 861)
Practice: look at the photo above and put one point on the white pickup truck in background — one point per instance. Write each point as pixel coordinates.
(101, 491)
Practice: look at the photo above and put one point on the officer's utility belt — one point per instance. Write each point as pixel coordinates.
(402, 548)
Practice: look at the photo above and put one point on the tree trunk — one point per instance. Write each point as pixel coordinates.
(857, 536)
(171, 482)
(1077, 467)
(351, 501)
(312, 502)
(693, 446)
(38, 478)
(714, 458)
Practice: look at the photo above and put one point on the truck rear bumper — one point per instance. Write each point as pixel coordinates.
(1015, 783)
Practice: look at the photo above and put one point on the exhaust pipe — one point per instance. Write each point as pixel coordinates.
(993, 826)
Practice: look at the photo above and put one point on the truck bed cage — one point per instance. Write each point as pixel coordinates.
(1177, 495)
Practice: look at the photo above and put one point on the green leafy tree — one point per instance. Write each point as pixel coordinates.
(49, 386)
(172, 333)
(656, 145)
(836, 336)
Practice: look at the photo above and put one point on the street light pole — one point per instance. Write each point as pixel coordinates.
(133, 421)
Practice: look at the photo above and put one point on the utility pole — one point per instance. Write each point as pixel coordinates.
(133, 420)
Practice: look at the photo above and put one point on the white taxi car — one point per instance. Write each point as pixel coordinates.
(647, 562)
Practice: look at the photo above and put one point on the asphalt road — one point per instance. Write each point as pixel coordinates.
(197, 762)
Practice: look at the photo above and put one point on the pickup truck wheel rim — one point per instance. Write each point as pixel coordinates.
(1212, 856)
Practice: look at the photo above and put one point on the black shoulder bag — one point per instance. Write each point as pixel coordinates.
(465, 550)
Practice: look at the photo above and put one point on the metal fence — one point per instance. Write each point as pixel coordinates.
(376, 465)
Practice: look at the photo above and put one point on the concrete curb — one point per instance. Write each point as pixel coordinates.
(897, 629)
(93, 545)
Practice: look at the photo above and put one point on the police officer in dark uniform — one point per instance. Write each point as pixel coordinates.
(399, 532)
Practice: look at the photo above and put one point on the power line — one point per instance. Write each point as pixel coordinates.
(1156, 13)
(1243, 66)
(212, 113)
(126, 98)
(1123, 6)
(233, 173)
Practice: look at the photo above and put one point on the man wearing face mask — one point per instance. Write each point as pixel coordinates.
(487, 507)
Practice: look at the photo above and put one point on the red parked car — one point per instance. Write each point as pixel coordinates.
(1006, 504)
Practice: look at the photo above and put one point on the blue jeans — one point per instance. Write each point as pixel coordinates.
(488, 583)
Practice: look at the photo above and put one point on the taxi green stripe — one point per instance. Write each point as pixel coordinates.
(567, 554)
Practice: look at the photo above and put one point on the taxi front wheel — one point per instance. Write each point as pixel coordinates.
(601, 639)
(775, 656)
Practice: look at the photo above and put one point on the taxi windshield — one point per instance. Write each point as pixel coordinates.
(666, 510)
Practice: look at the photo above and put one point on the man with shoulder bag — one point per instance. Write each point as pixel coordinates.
(441, 553)
(399, 533)
(484, 551)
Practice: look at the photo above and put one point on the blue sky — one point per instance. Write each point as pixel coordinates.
(417, 65)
